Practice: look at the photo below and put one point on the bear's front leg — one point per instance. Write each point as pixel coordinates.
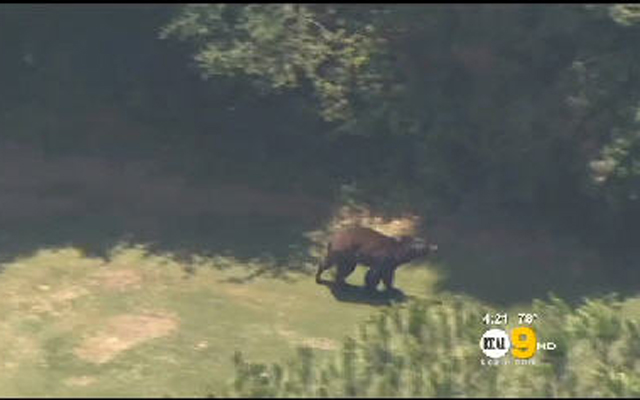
(371, 280)
(388, 276)
(324, 265)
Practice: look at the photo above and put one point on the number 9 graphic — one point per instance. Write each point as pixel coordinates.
(524, 342)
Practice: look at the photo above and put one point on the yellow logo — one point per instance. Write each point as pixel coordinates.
(524, 341)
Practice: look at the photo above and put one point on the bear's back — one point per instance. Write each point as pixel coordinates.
(361, 240)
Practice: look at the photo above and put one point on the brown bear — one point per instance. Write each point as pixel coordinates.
(381, 253)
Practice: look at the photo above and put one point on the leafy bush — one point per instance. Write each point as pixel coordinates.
(430, 349)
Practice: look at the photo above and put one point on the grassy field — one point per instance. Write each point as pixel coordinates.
(142, 324)
(138, 324)
(146, 323)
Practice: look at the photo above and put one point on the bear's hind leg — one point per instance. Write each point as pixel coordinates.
(345, 269)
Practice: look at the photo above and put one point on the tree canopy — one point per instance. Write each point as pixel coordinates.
(529, 106)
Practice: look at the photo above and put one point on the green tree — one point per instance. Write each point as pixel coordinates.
(541, 119)
(284, 47)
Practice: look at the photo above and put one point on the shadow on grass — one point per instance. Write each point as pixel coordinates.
(268, 269)
(274, 245)
(94, 203)
(495, 261)
(359, 294)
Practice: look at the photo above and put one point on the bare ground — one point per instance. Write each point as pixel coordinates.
(124, 332)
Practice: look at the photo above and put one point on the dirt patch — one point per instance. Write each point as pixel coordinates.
(122, 333)
(55, 303)
(202, 345)
(119, 279)
(319, 343)
(69, 294)
(80, 380)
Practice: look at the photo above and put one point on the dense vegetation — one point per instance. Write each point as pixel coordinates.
(523, 106)
(431, 350)
(531, 111)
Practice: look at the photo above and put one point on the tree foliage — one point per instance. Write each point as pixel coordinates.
(284, 47)
(540, 118)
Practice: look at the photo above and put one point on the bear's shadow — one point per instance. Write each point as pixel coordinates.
(359, 294)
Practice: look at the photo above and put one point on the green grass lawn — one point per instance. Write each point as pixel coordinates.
(140, 325)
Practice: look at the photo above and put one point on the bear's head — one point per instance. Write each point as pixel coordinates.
(411, 248)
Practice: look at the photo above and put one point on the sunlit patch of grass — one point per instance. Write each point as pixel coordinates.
(142, 324)
(631, 308)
